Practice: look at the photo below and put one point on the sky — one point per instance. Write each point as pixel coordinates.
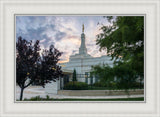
(64, 32)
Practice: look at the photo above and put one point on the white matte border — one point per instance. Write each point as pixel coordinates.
(148, 7)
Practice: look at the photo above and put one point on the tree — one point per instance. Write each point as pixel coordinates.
(27, 56)
(32, 68)
(105, 73)
(124, 41)
(49, 70)
(74, 75)
(125, 74)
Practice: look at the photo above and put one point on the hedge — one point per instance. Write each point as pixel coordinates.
(76, 86)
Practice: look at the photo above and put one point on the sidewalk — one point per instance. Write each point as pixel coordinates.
(93, 97)
(34, 91)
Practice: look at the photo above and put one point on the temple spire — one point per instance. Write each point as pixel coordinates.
(83, 49)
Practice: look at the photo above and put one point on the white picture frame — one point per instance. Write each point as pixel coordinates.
(9, 8)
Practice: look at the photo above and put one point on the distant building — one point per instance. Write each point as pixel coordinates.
(82, 63)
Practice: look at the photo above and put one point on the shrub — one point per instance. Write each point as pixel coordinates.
(137, 85)
(34, 98)
(47, 96)
(76, 86)
(133, 85)
(111, 85)
(99, 84)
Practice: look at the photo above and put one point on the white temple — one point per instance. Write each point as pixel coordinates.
(82, 63)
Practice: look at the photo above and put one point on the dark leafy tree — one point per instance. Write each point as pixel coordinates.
(125, 74)
(124, 41)
(49, 70)
(74, 75)
(27, 56)
(105, 73)
(33, 68)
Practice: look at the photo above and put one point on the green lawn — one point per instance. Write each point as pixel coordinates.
(117, 99)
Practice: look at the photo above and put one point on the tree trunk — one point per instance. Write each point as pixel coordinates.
(140, 83)
(21, 96)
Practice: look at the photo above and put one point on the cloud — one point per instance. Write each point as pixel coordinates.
(64, 32)
(38, 28)
(59, 35)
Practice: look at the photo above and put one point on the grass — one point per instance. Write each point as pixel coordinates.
(38, 98)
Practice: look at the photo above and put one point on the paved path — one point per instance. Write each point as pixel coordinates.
(33, 91)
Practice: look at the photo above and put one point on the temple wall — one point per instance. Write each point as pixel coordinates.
(83, 65)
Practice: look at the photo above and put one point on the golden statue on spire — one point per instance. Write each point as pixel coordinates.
(83, 28)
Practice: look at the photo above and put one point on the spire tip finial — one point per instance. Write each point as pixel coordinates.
(83, 28)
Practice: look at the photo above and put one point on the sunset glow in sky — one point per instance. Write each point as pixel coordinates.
(64, 32)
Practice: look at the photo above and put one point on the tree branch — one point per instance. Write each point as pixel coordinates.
(28, 84)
